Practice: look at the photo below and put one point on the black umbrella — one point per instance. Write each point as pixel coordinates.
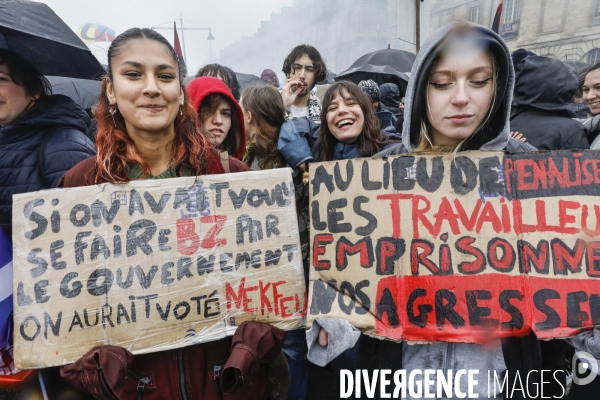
(330, 78)
(84, 92)
(36, 33)
(246, 80)
(382, 66)
(575, 66)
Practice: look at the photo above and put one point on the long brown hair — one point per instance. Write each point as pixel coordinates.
(314, 55)
(116, 150)
(268, 114)
(208, 107)
(371, 140)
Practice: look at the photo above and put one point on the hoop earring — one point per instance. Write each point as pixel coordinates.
(112, 110)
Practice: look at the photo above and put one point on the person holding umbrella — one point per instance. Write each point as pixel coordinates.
(41, 135)
(390, 99)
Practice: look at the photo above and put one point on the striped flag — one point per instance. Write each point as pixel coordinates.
(6, 281)
(496, 23)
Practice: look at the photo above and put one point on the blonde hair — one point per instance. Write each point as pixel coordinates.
(425, 144)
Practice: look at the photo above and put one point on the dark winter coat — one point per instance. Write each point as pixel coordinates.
(228, 369)
(20, 144)
(387, 120)
(389, 98)
(542, 108)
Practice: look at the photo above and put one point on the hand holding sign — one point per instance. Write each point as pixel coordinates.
(458, 248)
(151, 266)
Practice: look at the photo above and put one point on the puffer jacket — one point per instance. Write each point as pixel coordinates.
(20, 144)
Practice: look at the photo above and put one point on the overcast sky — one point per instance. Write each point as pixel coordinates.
(229, 19)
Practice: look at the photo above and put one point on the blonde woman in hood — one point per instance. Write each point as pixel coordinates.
(458, 98)
(460, 94)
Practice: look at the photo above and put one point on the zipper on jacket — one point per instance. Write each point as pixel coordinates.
(104, 385)
(217, 372)
(449, 356)
(181, 373)
(142, 382)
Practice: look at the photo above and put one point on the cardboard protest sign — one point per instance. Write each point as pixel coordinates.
(154, 264)
(458, 248)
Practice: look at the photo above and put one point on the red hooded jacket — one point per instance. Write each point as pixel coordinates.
(203, 86)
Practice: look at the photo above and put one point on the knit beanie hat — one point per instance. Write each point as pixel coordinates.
(370, 88)
(269, 76)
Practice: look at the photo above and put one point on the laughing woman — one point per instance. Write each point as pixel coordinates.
(349, 129)
(349, 126)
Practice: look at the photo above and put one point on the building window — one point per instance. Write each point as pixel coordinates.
(595, 20)
(476, 14)
(594, 56)
(511, 10)
(510, 19)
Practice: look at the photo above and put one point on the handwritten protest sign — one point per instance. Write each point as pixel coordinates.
(153, 265)
(458, 248)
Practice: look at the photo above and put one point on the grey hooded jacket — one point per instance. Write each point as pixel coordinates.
(494, 136)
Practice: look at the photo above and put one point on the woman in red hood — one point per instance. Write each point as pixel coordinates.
(221, 119)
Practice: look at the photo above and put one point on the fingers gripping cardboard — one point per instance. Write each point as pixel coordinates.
(461, 248)
(153, 265)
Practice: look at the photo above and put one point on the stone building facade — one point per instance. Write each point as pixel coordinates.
(563, 29)
(342, 31)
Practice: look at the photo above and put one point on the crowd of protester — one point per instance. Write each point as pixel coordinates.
(149, 125)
